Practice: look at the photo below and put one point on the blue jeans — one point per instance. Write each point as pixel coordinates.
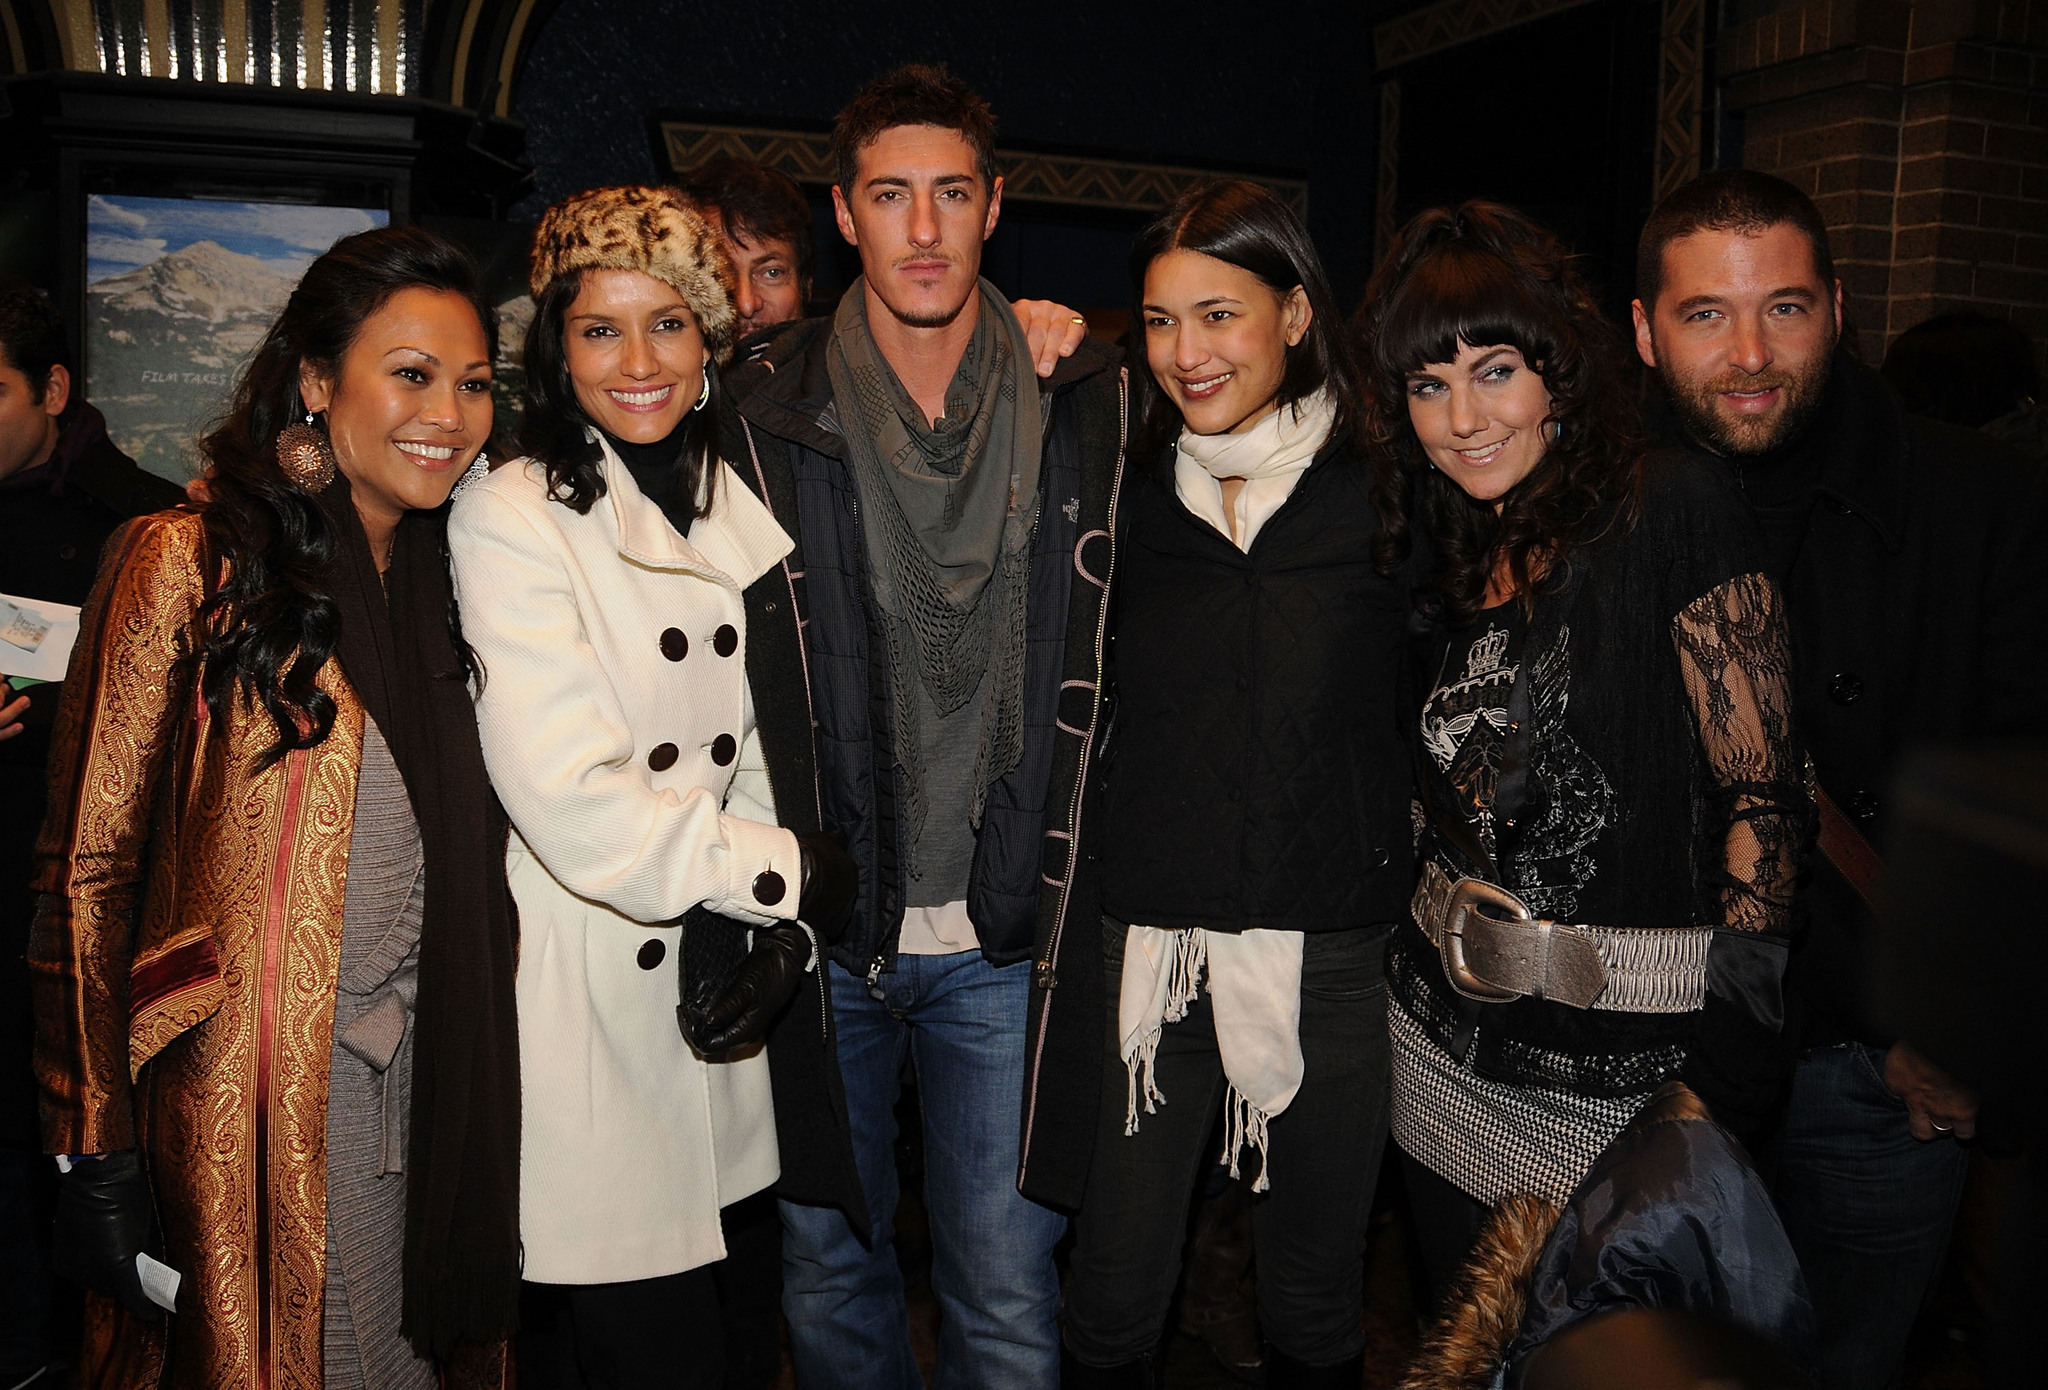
(961, 1021)
(1868, 1208)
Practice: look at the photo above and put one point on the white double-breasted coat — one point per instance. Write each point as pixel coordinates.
(619, 732)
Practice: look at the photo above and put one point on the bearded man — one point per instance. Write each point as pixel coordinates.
(1914, 558)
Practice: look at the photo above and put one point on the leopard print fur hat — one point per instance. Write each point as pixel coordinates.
(645, 229)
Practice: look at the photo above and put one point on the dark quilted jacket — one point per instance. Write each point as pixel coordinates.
(787, 426)
(1255, 776)
(1352, 806)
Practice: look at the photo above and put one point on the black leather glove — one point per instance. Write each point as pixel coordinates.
(1741, 1055)
(103, 1222)
(766, 981)
(1740, 1068)
(830, 881)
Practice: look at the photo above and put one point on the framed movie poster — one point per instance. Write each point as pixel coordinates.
(178, 293)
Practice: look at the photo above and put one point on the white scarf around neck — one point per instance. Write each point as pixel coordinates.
(1271, 456)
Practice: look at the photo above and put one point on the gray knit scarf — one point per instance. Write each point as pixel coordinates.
(949, 513)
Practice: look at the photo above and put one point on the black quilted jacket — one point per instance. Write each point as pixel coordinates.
(1255, 776)
(1252, 771)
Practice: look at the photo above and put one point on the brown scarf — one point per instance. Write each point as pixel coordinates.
(462, 1168)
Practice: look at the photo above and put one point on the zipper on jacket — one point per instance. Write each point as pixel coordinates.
(1044, 970)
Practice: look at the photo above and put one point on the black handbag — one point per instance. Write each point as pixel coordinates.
(714, 947)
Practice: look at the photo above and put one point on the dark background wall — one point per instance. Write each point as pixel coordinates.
(1284, 87)
(1555, 115)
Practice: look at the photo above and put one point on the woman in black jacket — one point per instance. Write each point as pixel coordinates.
(1253, 835)
(1602, 718)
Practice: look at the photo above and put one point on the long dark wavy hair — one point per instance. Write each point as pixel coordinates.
(270, 625)
(1245, 225)
(552, 426)
(1487, 275)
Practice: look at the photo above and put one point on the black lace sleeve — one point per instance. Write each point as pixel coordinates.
(1735, 653)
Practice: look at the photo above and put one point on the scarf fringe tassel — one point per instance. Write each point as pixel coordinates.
(1244, 1123)
(1184, 982)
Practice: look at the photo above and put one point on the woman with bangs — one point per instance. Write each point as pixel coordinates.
(1603, 738)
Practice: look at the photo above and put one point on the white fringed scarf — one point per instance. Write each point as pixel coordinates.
(1254, 977)
(1254, 980)
(1271, 456)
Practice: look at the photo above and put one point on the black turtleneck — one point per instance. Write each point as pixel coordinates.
(1781, 487)
(658, 472)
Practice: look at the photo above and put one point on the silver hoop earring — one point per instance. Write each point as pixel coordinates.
(705, 394)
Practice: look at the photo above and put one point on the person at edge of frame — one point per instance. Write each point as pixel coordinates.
(1251, 846)
(762, 218)
(273, 953)
(1913, 556)
(64, 488)
(950, 512)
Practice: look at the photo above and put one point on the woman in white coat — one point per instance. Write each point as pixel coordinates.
(600, 581)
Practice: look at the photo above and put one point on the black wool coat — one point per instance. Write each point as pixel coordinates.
(1916, 607)
(1305, 610)
(1257, 775)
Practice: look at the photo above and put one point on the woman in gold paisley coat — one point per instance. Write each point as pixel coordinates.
(273, 950)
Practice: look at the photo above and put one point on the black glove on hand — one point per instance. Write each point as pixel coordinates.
(1740, 1068)
(1740, 1058)
(830, 881)
(767, 979)
(103, 1223)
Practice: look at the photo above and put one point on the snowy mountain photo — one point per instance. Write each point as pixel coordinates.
(178, 295)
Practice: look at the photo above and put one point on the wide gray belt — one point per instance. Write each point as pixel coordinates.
(1495, 949)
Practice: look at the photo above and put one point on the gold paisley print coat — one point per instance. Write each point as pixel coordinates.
(184, 958)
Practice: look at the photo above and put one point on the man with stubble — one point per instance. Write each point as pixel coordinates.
(1914, 557)
(951, 512)
(764, 223)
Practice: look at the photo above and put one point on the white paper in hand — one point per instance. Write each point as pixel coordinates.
(22, 627)
(159, 1281)
(36, 637)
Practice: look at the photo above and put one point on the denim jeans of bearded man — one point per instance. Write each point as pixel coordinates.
(1868, 1208)
(961, 1022)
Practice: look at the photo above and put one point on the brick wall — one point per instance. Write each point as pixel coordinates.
(1921, 132)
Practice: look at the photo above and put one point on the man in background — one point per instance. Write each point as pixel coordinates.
(761, 216)
(1913, 556)
(64, 488)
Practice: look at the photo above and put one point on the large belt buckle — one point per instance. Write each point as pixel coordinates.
(1476, 898)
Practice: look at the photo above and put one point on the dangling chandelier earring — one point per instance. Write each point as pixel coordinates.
(305, 455)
